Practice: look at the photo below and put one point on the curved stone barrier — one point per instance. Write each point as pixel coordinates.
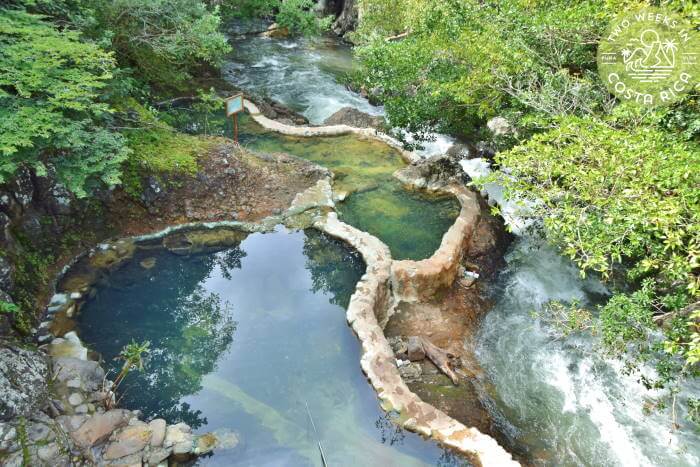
(370, 302)
(416, 281)
(387, 282)
(328, 130)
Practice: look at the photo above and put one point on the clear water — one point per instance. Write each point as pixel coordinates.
(411, 223)
(564, 403)
(242, 339)
(303, 74)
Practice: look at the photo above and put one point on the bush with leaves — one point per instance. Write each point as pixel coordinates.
(298, 16)
(163, 41)
(455, 64)
(50, 112)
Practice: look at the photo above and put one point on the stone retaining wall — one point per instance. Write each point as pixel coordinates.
(384, 284)
(387, 282)
(328, 130)
(415, 281)
(370, 305)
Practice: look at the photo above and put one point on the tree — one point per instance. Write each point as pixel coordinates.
(459, 63)
(50, 113)
(298, 16)
(163, 41)
(623, 202)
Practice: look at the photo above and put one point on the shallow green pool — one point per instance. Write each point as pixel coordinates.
(410, 222)
(242, 339)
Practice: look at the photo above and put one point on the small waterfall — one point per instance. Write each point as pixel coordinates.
(568, 402)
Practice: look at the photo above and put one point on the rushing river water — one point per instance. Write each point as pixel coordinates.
(242, 339)
(565, 403)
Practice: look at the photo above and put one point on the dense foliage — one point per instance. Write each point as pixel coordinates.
(617, 186)
(66, 65)
(80, 87)
(298, 16)
(50, 82)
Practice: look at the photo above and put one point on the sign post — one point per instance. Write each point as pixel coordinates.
(234, 105)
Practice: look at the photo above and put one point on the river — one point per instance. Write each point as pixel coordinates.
(565, 403)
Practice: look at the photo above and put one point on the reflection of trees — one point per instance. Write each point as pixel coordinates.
(188, 327)
(389, 431)
(335, 268)
(205, 331)
(451, 459)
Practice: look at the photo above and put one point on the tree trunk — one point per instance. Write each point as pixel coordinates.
(347, 19)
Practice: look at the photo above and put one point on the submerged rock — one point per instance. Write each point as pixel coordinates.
(111, 256)
(200, 241)
(276, 31)
(226, 439)
(148, 263)
(205, 444)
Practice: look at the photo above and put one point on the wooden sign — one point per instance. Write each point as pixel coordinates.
(234, 105)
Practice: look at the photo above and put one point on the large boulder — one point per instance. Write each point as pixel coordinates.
(23, 382)
(51, 195)
(276, 111)
(433, 173)
(415, 351)
(459, 151)
(99, 427)
(129, 440)
(355, 118)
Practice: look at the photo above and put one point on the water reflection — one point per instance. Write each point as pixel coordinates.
(334, 271)
(243, 339)
(188, 326)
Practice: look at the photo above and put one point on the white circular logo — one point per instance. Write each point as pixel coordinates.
(650, 57)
